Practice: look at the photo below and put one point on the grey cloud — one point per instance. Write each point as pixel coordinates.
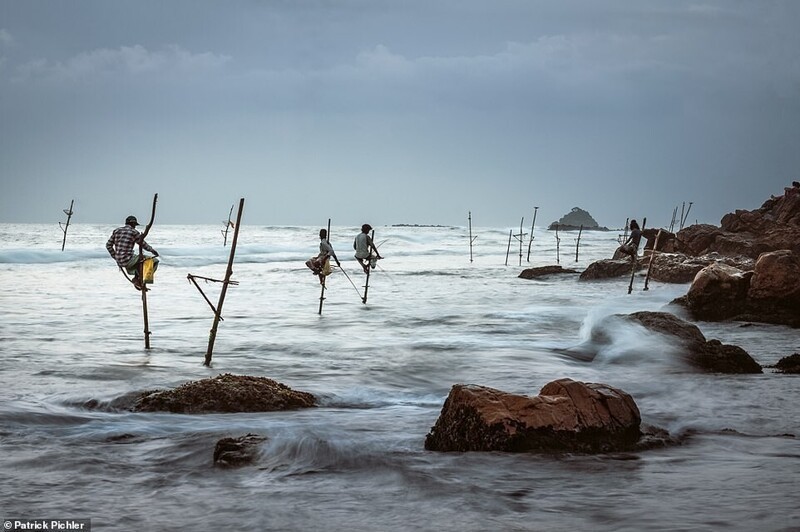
(133, 60)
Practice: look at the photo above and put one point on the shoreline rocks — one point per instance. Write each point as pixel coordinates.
(768, 294)
(772, 227)
(566, 416)
(224, 394)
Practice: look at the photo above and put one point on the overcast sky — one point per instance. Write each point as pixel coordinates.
(396, 111)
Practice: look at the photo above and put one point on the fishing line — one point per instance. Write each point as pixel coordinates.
(351, 282)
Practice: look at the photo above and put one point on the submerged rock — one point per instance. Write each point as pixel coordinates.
(234, 452)
(708, 355)
(790, 364)
(533, 273)
(566, 416)
(225, 393)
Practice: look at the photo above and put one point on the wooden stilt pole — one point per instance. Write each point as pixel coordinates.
(324, 278)
(212, 335)
(369, 269)
(521, 236)
(510, 233)
(140, 268)
(64, 228)
(578, 243)
(652, 256)
(533, 224)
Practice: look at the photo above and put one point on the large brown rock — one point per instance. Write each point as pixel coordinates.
(566, 416)
(707, 355)
(774, 226)
(718, 292)
(225, 393)
(768, 294)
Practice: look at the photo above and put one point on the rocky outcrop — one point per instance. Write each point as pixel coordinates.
(608, 268)
(768, 294)
(575, 219)
(235, 452)
(681, 268)
(225, 393)
(774, 226)
(707, 355)
(790, 364)
(566, 416)
(533, 273)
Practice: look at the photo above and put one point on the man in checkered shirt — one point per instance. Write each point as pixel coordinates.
(120, 247)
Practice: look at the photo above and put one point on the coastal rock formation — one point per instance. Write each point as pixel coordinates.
(225, 393)
(681, 268)
(790, 364)
(566, 416)
(234, 452)
(533, 273)
(774, 226)
(573, 220)
(707, 355)
(607, 269)
(768, 294)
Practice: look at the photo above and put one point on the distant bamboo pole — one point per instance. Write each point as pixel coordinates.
(64, 228)
(212, 335)
(228, 224)
(558, 247)
(533, 225)
(510, 233)
(140, 268)
(471, 239)
(684, 218)
(652, 257)
(322, 290)
(578, 243)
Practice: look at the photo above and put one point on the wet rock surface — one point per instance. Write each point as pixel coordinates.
(239, 451)
(223, 394)
(566, 416)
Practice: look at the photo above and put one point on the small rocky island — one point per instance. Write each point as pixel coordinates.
(575, 219)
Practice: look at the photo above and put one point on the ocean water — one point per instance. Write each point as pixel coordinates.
(71, 341)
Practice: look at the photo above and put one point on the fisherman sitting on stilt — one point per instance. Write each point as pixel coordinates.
(631, 246)
(120, 247)
(321, 264)
(364, 247)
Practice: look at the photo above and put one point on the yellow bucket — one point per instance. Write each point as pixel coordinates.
(148, 269)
